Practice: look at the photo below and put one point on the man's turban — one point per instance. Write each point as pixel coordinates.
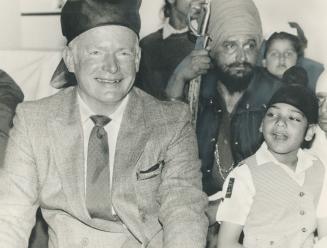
(233, 17)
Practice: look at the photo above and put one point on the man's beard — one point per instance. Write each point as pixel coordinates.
(236, 82)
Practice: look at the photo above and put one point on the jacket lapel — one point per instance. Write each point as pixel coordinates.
(131, 141)
(67, 141)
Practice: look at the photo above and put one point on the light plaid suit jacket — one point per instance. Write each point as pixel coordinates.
(156, 187)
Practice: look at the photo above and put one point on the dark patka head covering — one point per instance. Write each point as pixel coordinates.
(296, 75)
(78, 16)
(300, 97)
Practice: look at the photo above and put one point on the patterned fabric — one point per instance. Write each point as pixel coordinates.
(98, 175)
(291, 219)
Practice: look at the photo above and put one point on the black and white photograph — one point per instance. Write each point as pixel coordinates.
(163, 124)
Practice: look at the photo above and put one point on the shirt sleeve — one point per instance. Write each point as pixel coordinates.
(322, 204)
(238, 192)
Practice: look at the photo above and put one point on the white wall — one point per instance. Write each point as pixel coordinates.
(9, 24)
(44, 32)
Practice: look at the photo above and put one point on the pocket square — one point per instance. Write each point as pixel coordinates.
(150, 172)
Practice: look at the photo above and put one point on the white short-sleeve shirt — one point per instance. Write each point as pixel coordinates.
(238, 205)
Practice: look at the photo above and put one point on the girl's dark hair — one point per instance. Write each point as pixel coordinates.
(295, 41)
(166, 9)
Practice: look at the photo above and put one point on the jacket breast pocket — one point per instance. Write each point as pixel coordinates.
(150, 172)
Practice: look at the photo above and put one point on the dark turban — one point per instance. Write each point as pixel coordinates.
(78, 16)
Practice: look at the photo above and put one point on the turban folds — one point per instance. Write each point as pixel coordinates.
(233, 17)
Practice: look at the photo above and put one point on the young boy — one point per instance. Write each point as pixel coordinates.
(275, 195)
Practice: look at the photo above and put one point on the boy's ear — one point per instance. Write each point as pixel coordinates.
(310, 132)
(68, 57)
(260, 128)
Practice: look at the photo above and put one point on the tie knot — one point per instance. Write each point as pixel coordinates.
(100, 120)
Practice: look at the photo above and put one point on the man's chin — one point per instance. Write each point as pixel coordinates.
(237, 82)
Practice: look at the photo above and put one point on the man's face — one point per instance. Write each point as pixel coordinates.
(284, 128)
(322, 97)
(183, 7)
(235, 58)
(281, 55)
(104, 60)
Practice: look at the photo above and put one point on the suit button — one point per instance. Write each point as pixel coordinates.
(302, 212)
(304, 229)
(84, 242)
(271, 242)
(301, 194)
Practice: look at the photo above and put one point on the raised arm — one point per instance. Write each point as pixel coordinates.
(195, 64)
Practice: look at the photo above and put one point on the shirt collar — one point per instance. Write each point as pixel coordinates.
(168, 30)
(86, 112)
(305, 160)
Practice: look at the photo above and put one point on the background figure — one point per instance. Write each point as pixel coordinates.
(233, 94)
(281, 177)
(10, 96)
(319, 146)
(164, 49)
(109, 165)
(283, 50)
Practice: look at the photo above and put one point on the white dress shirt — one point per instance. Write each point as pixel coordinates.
(237, 208)
(168, 30)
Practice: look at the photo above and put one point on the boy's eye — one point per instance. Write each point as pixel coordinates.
(289, 54)
(294, 118)
(270, 114)
(274, 54)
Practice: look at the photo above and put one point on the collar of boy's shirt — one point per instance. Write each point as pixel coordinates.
(168, 30)
(115, 117)
(305, 160)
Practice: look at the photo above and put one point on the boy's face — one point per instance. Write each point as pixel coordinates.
(280, 56)
(284, 129)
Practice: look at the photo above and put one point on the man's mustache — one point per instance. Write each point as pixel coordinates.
(246, 65)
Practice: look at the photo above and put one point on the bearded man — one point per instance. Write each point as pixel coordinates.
(233, 93)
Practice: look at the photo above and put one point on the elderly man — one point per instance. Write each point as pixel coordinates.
(319, 146)
(233, 93)
(109, 165)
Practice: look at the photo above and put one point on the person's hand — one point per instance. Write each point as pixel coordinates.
(195, 8)
(195, 64)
